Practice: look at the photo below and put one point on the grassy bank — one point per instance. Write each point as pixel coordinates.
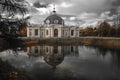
(91, 41)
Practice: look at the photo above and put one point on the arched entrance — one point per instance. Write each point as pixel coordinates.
(56, 33)
(55, 49)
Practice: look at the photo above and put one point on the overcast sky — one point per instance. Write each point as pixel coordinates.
(75, 12)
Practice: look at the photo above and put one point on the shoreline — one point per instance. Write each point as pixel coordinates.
(88, 41)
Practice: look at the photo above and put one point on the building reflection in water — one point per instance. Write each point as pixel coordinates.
(53, 55)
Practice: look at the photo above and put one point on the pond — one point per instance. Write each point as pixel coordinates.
(56, 62)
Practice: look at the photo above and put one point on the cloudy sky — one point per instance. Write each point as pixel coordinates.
(75, 12)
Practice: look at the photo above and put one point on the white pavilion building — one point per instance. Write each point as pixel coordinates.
(53, 28)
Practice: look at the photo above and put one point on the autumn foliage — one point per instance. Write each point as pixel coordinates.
(104, 30)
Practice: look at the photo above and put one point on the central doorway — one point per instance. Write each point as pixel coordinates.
(56, 33)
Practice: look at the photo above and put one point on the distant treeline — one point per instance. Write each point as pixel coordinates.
(104, 30)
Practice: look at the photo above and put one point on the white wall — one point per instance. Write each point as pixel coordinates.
(42, 31)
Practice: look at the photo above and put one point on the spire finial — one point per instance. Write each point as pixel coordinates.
(54, 9)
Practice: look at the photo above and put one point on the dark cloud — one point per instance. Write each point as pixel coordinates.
(69, 8)
(19, 0)
(116, 3)
(67, 16)
(114, 6)
(40, 5)
(42, 1)
(113, 11)
(53, 1)
(78, 6)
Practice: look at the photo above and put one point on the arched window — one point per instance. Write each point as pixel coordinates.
(46, 32)
(36, 32)
(72, 32)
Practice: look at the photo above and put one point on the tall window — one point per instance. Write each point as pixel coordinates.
(72, 32)
(36, 32)
(46, 32)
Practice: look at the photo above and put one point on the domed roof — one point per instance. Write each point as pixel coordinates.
(54, 19)
(53, 60)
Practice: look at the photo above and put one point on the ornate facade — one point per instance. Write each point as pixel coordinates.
(53, 28)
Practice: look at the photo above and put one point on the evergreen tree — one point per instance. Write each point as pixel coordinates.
(9, 23)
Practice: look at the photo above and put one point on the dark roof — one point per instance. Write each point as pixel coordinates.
(53, 60)
(52, 19)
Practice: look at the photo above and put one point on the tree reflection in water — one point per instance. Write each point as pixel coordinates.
(54, 56)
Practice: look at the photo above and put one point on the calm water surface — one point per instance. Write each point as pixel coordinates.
(65, 62)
